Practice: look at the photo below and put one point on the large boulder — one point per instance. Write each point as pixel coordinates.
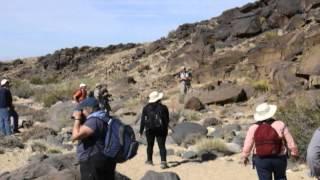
(185, 130)
(60, 115)
(246, 27)
(152, 175)
(57, 167)
(310, 64)
(194, 104)
(223, 95)
(289, 7)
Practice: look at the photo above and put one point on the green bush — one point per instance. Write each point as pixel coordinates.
(43, 81)
(302, 122)
(22, 89)
(36, 80)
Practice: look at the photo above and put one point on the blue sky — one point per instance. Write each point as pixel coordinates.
(37, 27)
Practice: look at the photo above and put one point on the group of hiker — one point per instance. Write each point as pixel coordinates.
(7, 110)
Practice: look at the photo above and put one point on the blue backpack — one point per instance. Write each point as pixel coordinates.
(120, 141)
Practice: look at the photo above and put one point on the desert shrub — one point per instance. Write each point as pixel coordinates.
(302, 122)
(271, 35)
(36, 80)
(261, 85)
(54, 151)
(38, 146)
(191, 115)
(22, 89)
(206, 144)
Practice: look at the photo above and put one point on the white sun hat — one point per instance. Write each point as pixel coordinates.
(264, 111)
(155, 96)
(3, 82)
(83, 85)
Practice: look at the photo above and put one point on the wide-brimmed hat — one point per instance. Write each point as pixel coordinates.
(4, 82)
(83, 85)
(155, 96)
(264, 111)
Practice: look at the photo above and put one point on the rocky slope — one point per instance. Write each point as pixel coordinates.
(263, 51)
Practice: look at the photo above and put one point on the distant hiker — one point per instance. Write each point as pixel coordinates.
(5, 107)
(155, 118)
(313, 158)
(185, 78)
(90, 130)
(268, 139)
(81, 93)
(102, 94)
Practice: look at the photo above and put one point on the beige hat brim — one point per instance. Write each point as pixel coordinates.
(268, 115)
(155, 99)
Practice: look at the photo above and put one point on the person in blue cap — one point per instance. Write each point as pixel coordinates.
(90, 131)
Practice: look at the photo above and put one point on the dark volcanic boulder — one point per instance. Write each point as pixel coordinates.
(246, 27)
(223, 95)
(57, 167)
(309, 4)
(152, 175)
(289, 7)
(187, 129)
(194, 104)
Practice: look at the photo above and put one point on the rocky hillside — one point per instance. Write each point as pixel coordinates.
(263, 51)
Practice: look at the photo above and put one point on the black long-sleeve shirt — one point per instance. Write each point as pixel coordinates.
(5, 98)
(149, 108)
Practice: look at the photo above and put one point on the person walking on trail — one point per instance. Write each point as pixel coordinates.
(155, 119)
(91, 132)
(5, 107)
(102, 94)
(185, 78)
(313, 158)
(270, 141)
(80, 94)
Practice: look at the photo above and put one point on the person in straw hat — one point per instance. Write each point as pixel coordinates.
(269, 140)
(155, 119)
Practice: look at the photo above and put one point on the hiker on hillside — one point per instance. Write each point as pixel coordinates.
(185, 78)
(80, 94)
(155, 119)
(90, 130)
(12, 112)
(102, 94)
(313, 158)
(268, 140)
(5, 107)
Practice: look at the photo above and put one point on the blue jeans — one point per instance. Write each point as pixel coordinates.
(268, 166)
(5, 121)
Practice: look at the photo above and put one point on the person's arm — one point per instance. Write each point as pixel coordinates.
(10, 99)
(290, 142)
(248, 144)
(166, 116)
(76, 96)
(80, 131)
(142, 122)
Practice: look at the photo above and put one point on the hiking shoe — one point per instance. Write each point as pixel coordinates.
(164, 165)
(16, 131)
(149, 163)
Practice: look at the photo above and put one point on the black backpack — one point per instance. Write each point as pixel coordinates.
(153, 118)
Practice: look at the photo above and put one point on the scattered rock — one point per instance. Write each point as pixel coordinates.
(189, 155)
(210, 122)
(233, 148)
(194, 104)
(181, 131)
(10, 142)
(152, 175)
(207, 156)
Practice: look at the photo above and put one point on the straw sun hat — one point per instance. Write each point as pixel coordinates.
(264, 111)
(155, 96)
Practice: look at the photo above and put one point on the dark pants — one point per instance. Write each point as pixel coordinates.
(161, 140)
(15, 116)
(98, 167)
(268, 166)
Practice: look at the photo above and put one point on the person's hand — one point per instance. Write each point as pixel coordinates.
(244, 161)
(77, 115)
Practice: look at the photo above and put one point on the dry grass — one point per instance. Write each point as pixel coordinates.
(206, 144)
(261, 85)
